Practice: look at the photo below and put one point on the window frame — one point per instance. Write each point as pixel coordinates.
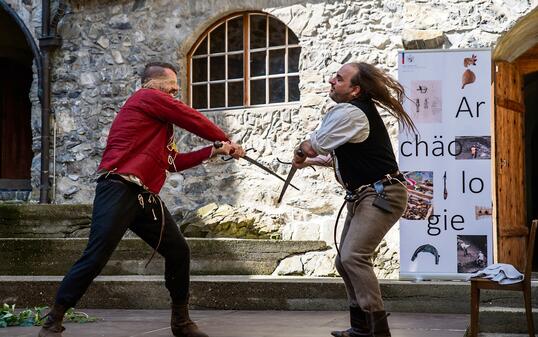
(246, 52)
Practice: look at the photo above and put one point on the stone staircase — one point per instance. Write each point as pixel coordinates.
(54, 256)
(227, 274)
(500, 313)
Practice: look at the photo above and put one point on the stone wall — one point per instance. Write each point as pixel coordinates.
(106, 43)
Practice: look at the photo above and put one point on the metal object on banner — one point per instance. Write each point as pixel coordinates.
(445, 191)
(427, 248)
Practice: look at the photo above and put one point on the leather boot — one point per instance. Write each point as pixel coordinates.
(52, 327)
(359, 325)
(182, 325)
(379, 324)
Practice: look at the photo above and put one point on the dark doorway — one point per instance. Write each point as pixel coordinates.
(15, 132)
(531, 150)
(15, 110)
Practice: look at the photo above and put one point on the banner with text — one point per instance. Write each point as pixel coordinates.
(446, 230)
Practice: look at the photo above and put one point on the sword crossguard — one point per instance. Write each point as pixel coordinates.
(290, 163)
(230, 158)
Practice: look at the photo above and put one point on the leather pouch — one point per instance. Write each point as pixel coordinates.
(381, 200)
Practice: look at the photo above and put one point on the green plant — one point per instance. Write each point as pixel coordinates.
(78, 317)
(29, 317)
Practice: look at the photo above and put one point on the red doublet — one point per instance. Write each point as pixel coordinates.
(138, 138)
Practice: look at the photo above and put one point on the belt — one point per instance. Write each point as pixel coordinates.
(117, 177)
(113, 176)
(388, 179)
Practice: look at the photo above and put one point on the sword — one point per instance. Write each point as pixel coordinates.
(288, 182)
(300, 153)
(218, 144)
(266, 169)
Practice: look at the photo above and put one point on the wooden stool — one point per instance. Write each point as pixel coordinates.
(524, 286)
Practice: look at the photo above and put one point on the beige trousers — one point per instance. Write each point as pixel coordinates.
(364, 228)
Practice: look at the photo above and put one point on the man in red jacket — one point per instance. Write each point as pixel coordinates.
(140, 151)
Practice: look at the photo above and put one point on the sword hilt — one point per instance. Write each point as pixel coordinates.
(218, 144)
(230, 157)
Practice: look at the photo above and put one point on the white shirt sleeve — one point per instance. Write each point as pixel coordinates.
(343, 123)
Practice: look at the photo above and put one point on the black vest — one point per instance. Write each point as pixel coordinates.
(368, 161)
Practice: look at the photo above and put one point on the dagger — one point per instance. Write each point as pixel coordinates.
(300, 153)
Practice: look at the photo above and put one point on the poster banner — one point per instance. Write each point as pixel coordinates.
(446, 230)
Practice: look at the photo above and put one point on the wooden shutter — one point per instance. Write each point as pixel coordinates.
(510, 164)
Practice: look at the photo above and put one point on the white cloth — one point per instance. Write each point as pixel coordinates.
(343, 123)
(502, 273)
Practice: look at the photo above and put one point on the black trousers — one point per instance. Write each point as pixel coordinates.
(117, 207)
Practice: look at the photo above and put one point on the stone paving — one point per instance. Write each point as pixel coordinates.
(232, 323)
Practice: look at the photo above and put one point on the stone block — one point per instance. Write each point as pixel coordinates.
(423, 39)
(28, 220)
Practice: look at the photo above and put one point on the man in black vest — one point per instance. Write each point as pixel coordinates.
(354, 140)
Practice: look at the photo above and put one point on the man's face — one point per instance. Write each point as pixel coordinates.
(341, 88)
(166, 83)
(171, 87)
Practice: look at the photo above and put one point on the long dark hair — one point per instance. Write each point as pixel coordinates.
(384, 90)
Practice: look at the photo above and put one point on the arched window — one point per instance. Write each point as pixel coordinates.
(247, 59)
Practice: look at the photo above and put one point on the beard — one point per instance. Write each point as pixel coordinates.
(338, 98)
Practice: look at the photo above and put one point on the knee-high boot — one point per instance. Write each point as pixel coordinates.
(379, 325)
(181, 324)
(52, 327)
(359, 325)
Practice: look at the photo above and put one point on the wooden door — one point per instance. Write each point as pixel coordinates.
(510, 164)
(15, 132)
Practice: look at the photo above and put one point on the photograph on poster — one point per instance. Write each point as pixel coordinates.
(427, 99)
(472, 253)
(420, 190)
(427, 248)
(482, 212)
(474, 147)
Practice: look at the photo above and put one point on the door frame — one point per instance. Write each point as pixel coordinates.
(517, 52)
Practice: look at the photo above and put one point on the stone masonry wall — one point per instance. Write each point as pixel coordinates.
(107, 43)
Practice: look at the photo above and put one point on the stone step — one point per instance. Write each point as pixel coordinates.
(28, 256)
(504, 320)
(503, 334)
(244, 292)
(44, 220)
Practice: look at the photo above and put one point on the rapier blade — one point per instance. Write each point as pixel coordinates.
(287, 183)
(266, 169)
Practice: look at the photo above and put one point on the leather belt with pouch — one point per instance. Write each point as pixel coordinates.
(380, 200)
